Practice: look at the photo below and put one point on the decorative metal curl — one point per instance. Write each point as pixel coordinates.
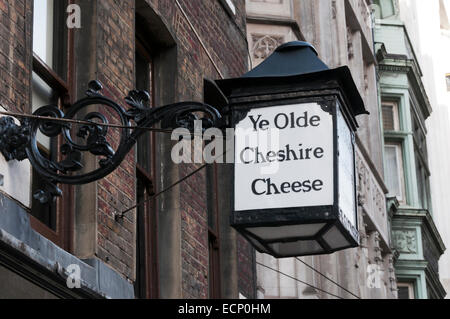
(19, 142)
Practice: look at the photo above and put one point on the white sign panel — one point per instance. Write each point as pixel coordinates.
(284, 158)
(346, 169)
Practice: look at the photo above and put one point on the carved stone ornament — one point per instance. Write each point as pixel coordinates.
(405, 241)
(264, 45)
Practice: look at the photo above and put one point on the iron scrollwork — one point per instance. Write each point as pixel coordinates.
(20, 142)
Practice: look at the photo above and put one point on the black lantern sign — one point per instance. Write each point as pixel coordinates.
(294, 171)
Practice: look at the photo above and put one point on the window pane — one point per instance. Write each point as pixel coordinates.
(420, 138)
(143, 82)
(394, 170)
(403, 293)
(405, 290)
(387, 8)
(140, 283)
(43, 30)
(45, 213)
(146, 284)
(144, 152)
(50, 45)
(143, 73)
(388, 117)
(420, 183)
(41, 95)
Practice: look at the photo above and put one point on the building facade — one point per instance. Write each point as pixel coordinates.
(428, 27)
(178, 245)
(393, 158)
(114, 239)
(405, 107)
(341, 31)
(437, 83)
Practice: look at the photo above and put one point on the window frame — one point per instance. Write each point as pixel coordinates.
(400, 138)
(214, 280)
(149, 278)
(383, 5)
(423, 181)
(147, 285)
(413, 137)
(395, 114)
(421, 162)
(411, 288)
(62, 235)
(401, 172)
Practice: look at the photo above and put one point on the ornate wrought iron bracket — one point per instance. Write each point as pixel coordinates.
(19, 142)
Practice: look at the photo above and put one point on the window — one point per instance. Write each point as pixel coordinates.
(146, 285)
(423, 184)
(393, 150)
(422, 171)
(394, 171)
(213, 233)
(419, 136)
(390, 116)
(50, 85)
(405, 290)
(386, 8)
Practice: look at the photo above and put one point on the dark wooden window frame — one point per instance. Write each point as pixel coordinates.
(214, 237)
(147, 237)
(63, 234)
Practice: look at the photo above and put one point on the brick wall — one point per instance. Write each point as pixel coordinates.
(227, 48)
(15, 55)
(246, 268)
(115, 69)
(226, 44)
(194, 226)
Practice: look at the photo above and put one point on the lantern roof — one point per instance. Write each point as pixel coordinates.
(298, 62)
(292, 58)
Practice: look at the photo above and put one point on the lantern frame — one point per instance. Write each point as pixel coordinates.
(329, 89)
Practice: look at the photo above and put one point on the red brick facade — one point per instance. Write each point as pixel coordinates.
(15, 54)
(115, 41)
